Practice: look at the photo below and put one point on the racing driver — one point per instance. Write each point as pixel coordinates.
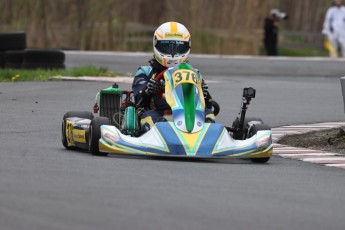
(171, 45)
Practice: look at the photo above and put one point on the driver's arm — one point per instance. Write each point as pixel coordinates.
(139, 85)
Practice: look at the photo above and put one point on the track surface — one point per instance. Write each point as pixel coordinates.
(215, 65)
(43, 186)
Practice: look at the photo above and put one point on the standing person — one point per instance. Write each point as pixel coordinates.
(171, 45)
(334, 28)
(271, 30)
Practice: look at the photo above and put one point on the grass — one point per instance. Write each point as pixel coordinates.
(11, 75)
(298, 52)
(302, 52)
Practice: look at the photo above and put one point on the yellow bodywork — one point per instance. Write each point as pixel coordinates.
(74, 135)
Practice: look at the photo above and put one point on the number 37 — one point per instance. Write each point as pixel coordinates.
(185, 76)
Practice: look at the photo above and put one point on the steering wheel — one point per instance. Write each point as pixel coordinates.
(215, 105)
(160, 75)
(216, 108)
(158, 78)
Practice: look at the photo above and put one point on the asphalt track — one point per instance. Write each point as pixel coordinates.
(43, 186)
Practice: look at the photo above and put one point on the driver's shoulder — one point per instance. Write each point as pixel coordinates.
(143, 70)
(196, 70)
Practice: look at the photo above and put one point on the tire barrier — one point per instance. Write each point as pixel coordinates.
(44, 59)
(14, 59)
(13, 54)
(12, 41)
(2, 59)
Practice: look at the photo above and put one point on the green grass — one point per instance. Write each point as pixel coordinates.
(298, 52)
(8, 75)
(302, 52)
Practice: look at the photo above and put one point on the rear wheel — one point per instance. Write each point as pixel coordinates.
(252, 131)
(95, 135)
(80, 114)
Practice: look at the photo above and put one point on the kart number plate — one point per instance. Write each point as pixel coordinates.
(185, 76)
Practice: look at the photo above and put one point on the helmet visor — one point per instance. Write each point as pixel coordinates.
(172, 47)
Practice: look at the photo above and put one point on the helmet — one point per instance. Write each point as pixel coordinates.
(171, 44)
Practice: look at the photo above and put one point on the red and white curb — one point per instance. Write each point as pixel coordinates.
(303, 154)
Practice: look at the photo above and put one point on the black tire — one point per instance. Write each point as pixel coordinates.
(261, 160)
(14, 59)
(253, 130)
(14, 56)
(12, 41)
(243, 134)
(47, 56)
(81, 114)
(13, 66)
(2, 59)
(95, 135)
(216, 108)
(257, 127)
(26, 65)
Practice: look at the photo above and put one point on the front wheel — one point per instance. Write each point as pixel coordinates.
(242, 135)
(261, 160)
(95, 135)
(252, 131)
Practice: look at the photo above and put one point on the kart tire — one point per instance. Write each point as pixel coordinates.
(12, 41)
(95, 135)
(216, 108)
(236, 124)
(260, 160)
(81, 114)
(253, 130)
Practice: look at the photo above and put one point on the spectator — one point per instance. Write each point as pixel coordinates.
(271, 24)
(334, 28)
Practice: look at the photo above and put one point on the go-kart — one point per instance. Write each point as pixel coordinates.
(181, 133)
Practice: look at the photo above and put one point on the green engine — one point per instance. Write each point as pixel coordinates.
(109, 104)
(121, 112)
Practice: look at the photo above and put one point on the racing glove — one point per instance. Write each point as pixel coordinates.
(152, 87)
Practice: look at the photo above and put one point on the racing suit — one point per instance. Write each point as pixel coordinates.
(151, 108)
(334, 27)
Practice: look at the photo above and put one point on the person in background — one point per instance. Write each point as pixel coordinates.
(271, 29)
(334, 29)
